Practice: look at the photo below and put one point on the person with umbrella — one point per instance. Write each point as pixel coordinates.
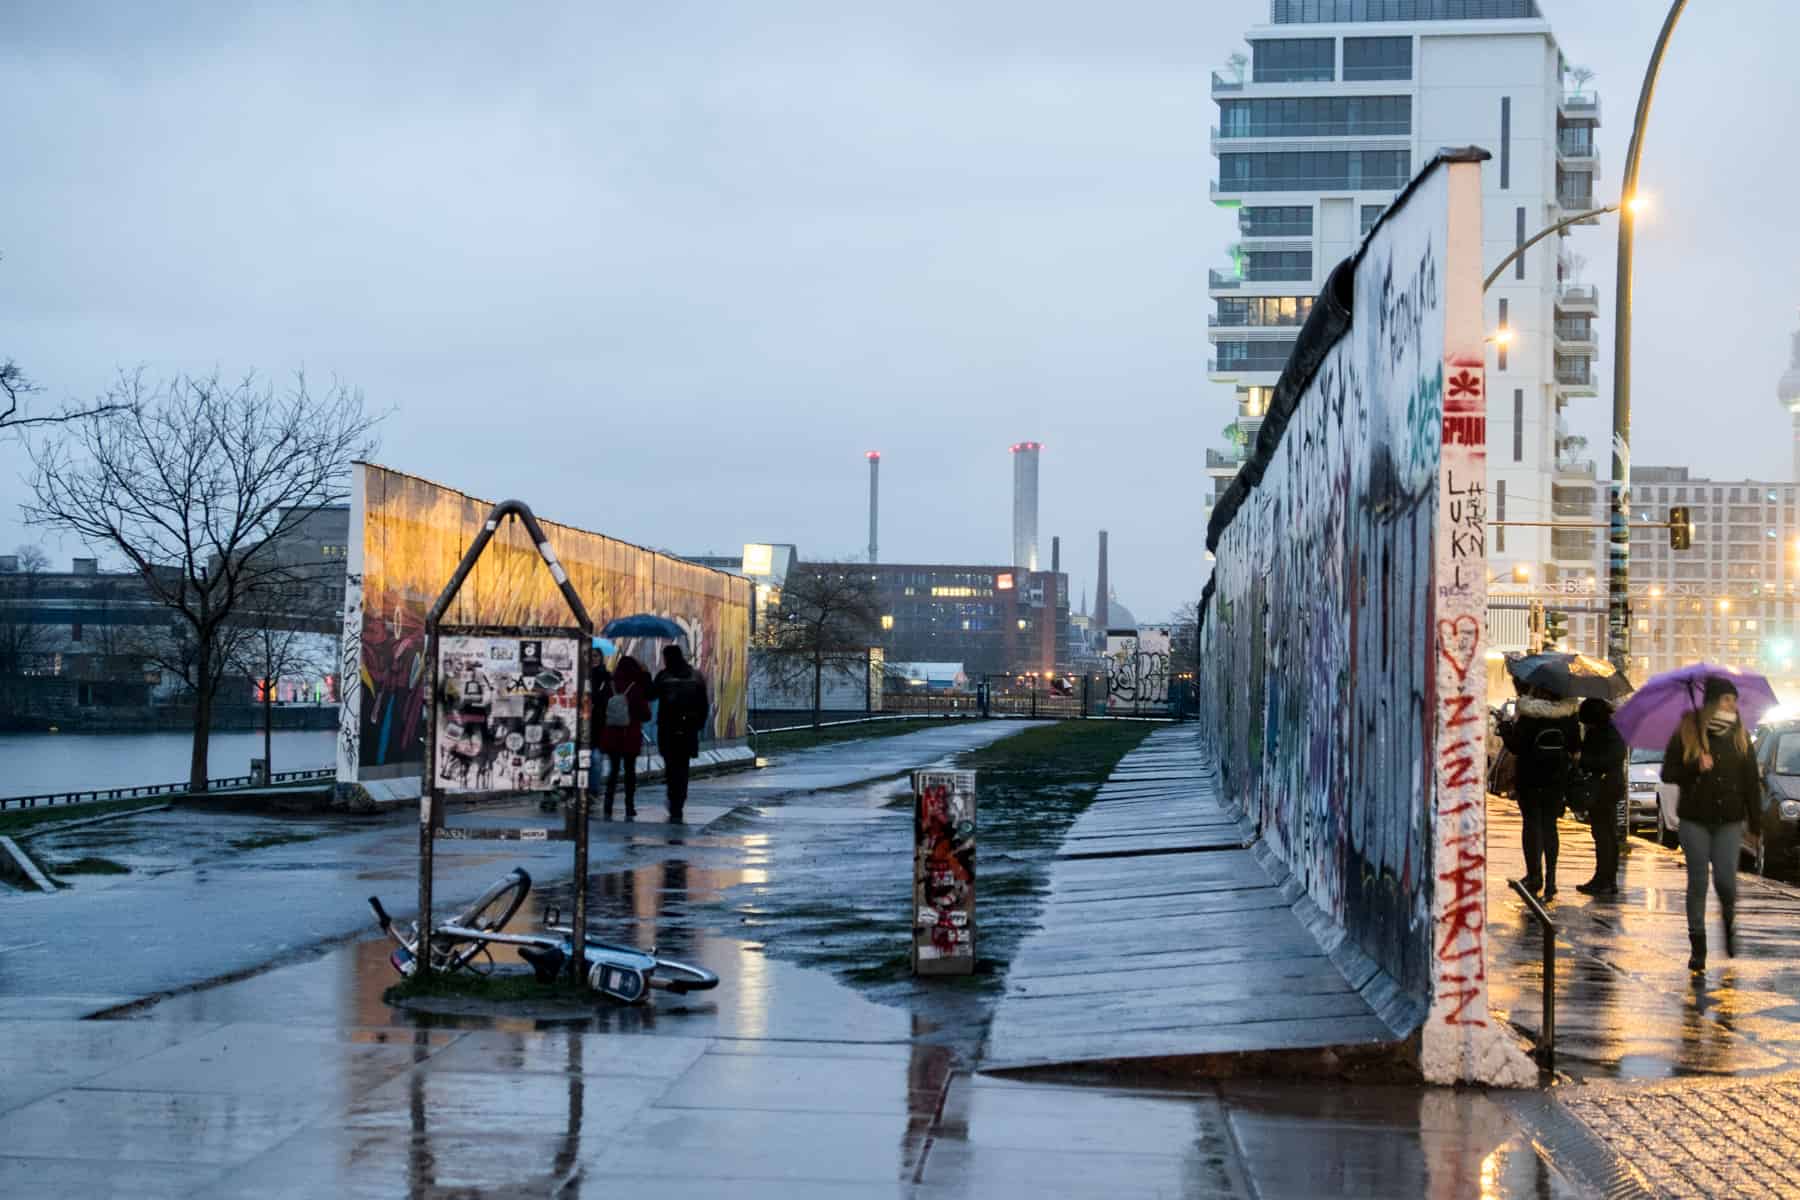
(681, 713)
(1709, 759)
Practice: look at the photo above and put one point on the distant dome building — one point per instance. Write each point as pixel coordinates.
(1117, 615)
(1788, 391)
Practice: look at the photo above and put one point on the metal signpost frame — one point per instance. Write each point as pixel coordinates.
(430, 813)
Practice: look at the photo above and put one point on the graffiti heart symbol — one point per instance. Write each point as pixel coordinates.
(1457, 640)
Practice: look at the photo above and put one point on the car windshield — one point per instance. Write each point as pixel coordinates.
(1787, 754)
(1642, 755)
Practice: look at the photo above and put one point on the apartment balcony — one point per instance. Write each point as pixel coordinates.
(1223, 464)
(1576, 379)
(1576, 200)
(1575, 469)
(1240, 320)
(1576, 337)
(1250, 229)
(1223, 281)
(1577, 299)
(1584, 107)
(1252, 370)
(1226, 84)
(1577, 152)
(1309, 185)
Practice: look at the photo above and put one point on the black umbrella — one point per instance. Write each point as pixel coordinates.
(1571, 676)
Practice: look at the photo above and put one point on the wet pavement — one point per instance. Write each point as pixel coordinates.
(787, 1081)
(1164, 937)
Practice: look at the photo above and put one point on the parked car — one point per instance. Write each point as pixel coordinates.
(1774, 843)
(1643, 772)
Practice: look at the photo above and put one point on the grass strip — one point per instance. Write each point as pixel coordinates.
(842, 900)
(13, 820)
(831, 735)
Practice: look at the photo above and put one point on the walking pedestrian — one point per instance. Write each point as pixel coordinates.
(682, 709)
(1546, 737)
(623, 705)
(1709, 759)
(1603, 754)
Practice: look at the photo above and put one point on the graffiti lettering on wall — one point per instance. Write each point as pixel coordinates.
(1137, 671)
(412, 534)
(350, 677)
(1318, 644)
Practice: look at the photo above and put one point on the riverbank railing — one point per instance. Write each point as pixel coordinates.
(101, 795)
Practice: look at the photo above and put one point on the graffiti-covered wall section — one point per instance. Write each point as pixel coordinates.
(406, 537)
(1137, 670)
(1344, 613)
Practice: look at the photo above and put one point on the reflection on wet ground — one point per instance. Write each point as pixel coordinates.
(1626, 1005)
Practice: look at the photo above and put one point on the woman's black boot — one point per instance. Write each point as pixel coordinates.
(1697, 959)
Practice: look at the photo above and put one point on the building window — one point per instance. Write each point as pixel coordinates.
(75, 632)
(1519, 242)
(887, 620)
(1518, 424)
(1503, 319)
(1279, 220)
(1314, 12)
(1315, 170)
(1506, 143)
(1293, 60)
(1377, 58)
(1500, 515)
(1371, 213)
(1316, 116)
(1277, 266)
(1264, 311)
(1254, 356)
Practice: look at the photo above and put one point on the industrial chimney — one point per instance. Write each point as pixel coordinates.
(874, 457)
(1025, 504)
(1101, 590)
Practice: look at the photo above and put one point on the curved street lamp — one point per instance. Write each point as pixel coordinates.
(1635, 204)
(1618, 559)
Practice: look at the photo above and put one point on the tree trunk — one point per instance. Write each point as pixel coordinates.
(203, 705)
(268, 738)
(818, 674)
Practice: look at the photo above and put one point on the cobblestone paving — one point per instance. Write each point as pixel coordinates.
(1723, 1139)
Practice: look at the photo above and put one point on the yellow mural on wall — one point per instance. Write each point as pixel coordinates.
(408, 534)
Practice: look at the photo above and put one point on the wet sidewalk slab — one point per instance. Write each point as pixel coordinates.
(1167, 937)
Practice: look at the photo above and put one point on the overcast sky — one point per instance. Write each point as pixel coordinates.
(666, 271)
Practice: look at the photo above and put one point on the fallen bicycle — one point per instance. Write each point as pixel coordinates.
(621, 973)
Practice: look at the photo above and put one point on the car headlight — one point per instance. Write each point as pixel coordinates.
(1790, 810)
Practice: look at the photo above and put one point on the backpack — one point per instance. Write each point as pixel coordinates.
(686, 703)
(618, 708)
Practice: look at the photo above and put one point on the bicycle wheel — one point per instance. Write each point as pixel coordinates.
(680, 978)
(490, 911)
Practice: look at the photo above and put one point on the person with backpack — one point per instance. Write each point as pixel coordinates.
(1603, 754)
(1546, 737)
(623, 702)
(1709, 759)
(682, 709)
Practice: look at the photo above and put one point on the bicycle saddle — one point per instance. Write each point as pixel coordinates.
(546, 961)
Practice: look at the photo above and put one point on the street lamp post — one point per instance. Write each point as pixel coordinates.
(1618, 559)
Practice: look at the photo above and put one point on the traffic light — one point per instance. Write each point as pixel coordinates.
(1556, 626)
(1681, 528)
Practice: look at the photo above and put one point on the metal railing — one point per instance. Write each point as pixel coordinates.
(1317, 183)
(1220, 279)
(1546, 1043)
(1275, 365)
(1221, 84)
(1215, 458)
(1579, 293)
(1250, 227)
(100, 795)
(1574, 200)
(1582, 103)
(1571, 377)
(1241, 320)
(1575, 144)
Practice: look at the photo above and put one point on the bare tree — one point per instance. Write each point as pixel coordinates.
(21, 636)
(830, 615)
(196, 481)
(277, 635)
(15, 385)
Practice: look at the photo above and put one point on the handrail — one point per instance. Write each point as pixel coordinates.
(97, 795)
(1546, 1047)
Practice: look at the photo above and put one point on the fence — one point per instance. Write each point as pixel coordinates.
(98, 795)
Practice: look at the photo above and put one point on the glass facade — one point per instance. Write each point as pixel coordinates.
(1312, 171)
(1377, 58)
(1293, 60)
(1264, 311)
(1316, 116)
(1254, 356)
(1268, 266)
(1315, 12)
(1280, 220)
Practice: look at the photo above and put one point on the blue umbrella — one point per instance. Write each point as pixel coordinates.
(643, 625)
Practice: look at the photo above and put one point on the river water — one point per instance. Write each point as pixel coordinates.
(31, 763)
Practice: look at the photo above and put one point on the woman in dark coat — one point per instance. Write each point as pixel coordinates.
(1603, 755)
(1546, 737)
(1709, 759)
(623, 740)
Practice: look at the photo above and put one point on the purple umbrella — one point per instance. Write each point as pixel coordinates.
(1650, 718)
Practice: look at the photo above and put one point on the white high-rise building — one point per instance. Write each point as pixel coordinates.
(1337, 104)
